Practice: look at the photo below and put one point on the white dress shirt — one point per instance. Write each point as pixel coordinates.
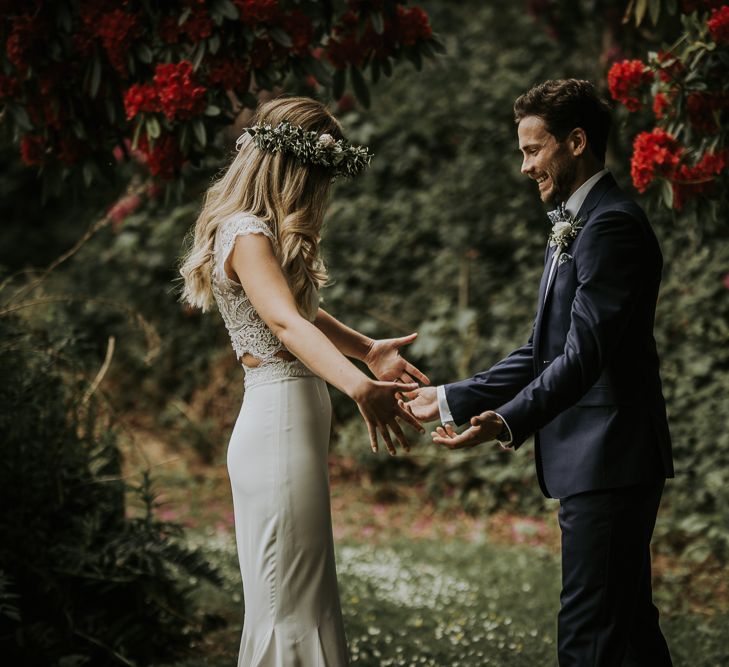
(572, 206)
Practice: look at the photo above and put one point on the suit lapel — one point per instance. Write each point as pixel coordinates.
(606, 183)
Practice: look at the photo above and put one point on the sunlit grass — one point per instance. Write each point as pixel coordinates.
(448, 603)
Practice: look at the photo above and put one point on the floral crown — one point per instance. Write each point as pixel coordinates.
(309, 147)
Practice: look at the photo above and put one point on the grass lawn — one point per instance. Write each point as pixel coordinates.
(427, 585)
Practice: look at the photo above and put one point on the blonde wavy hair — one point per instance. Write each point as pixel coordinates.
(289, 196)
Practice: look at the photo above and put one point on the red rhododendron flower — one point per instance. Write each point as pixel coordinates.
(9, 87)
(669, 67)
(253, 12)
(71, 149)
(32, 149)
(180, 98)
(691, 181)
(261, 53)
(689, 6)
(703, 108)
(169, 30)
(23, 42)
(139, 98)
(412, 25)
(625, 79)
(726, 281)
(298, 26)
(229, 73)
(117, 30)
(163, 158)
(719, 25)
(198, 25)
(655, 153)
(660, 104)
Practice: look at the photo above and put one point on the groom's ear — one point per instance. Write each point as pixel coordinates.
(577, 141)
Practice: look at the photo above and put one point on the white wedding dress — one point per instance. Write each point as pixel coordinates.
(277, 463)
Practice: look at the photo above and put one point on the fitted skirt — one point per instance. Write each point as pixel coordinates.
(277, 463)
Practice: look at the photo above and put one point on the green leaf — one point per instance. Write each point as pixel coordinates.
(641, 7)
(137, 132)
(214, 43)
(320, 71)
(212, 110)
(88, 174)
(65, 19)
(438, 46)
(199, 55)
(95, 77)
(110, 110)
(198, 129)
(375, 69)
(655, 10)
(413, 55)
(20, 116)
(339, 80)
(227, 9)
(360, 87)
(144, 53)
(184, 16)
(378, 23)
(153, 128)
(281, 37)
(667, 193)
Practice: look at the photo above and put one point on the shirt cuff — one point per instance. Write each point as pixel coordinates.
(505, 443)
(443, 409)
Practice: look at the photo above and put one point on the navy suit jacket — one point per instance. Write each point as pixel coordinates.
(587, 382)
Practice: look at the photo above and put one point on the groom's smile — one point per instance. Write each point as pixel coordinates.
(546, 160)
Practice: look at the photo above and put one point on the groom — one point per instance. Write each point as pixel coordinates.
(586, 384)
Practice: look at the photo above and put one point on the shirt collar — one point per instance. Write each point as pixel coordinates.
(574, 203)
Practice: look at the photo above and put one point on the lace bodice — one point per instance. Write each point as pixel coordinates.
(248, 332)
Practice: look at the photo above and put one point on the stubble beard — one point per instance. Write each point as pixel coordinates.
(563, 180)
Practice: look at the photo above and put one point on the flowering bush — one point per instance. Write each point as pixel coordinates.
(77, 79)
(689, 86)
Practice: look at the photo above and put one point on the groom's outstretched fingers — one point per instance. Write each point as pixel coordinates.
(469, 438)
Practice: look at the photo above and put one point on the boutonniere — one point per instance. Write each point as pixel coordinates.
(565, 227)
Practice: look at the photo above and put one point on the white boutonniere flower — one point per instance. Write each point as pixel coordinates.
(564, 227)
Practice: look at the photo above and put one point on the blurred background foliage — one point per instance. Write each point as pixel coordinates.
(443, 236)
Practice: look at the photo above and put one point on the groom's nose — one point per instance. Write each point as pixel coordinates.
(526, 166)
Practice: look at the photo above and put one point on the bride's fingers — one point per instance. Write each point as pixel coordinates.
(400, 435)
(408, 417)
(382, 428)
(417, 373)
(373, 435)
(404, 377)
(404, 387)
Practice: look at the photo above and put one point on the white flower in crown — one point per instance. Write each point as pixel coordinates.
(564, 227)
(327, 140)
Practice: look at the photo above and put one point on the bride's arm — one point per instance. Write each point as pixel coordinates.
(381, 356)
(260, 275)
(349, 342)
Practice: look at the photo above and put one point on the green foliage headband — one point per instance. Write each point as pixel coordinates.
(307, 147)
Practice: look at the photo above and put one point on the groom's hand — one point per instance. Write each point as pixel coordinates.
(484, 428)
(422, 404)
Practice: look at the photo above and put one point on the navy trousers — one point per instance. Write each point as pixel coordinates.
(607, 616)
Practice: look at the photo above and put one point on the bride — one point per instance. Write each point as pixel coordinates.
(256, 253)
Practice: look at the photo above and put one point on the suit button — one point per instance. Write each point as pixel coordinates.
(546, 362)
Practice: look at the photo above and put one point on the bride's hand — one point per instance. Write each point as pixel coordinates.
(385, 362)
(378, 403)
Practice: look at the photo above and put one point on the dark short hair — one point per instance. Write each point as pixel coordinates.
(565, 104)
